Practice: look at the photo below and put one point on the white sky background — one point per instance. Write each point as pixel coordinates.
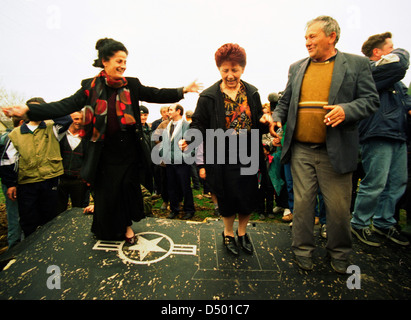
(48, 47)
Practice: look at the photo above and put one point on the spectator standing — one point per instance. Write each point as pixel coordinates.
(325, 96)
(178, 171)
(267, 180)
(8, 177)
(148, 179)
(267, 138)
(160, 183)
(164, 117)
(160, 169)
(383, 142)
(194, 170)
(72, 148)
(284, 196)
(35, 147)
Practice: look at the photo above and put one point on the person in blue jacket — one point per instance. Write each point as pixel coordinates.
(383, 145)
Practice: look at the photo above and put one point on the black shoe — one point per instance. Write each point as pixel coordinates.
(366, 236)
(188, 216)
(230, 244)
(172, 215)
(339, 266)
(305, 263)
(392, 234)
(245, 243)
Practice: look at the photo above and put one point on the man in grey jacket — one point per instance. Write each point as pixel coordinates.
(326, 95)
(177, 169)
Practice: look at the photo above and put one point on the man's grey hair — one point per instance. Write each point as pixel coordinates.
(329, 25)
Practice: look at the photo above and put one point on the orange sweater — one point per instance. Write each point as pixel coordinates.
(315, 89)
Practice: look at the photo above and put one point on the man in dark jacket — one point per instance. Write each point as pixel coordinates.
(72, 148)
(325, 97)
(383, 138)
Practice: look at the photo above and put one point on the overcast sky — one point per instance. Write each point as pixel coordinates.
(48, 46)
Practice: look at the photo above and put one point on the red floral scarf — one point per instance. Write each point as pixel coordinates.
(95, 117)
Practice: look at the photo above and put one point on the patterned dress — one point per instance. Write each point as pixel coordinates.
(237, 112)
(239, 190)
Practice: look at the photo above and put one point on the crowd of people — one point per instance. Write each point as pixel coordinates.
(331, 149)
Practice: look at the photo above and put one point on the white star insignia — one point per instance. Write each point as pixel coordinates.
(145, 246)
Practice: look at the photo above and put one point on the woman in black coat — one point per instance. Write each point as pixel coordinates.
(115, 159)
(232, 104)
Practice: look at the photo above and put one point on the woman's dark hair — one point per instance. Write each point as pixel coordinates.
(106, 49)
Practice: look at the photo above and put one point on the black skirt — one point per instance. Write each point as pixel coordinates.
(117, 191)
(240, 192)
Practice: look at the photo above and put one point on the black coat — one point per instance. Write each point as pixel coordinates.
(78, 100)
(210, 114)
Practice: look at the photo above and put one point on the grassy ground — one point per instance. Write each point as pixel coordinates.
(204, 209)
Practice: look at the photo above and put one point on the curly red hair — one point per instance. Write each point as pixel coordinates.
(230, 52)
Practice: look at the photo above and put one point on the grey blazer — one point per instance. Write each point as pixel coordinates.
(171, 153)
(353, 88)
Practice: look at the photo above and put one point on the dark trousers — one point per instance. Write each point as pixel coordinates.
(157, 178)
(73, 188)
(265, 197)
(179, 187)
(164, 184)
(281, 200)
(37, 204)
(195, 177)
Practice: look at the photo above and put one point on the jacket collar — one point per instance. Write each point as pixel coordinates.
(214, 93)
(340, 69)
(25, 129)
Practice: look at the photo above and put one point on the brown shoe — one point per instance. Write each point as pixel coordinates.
(288, 216)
